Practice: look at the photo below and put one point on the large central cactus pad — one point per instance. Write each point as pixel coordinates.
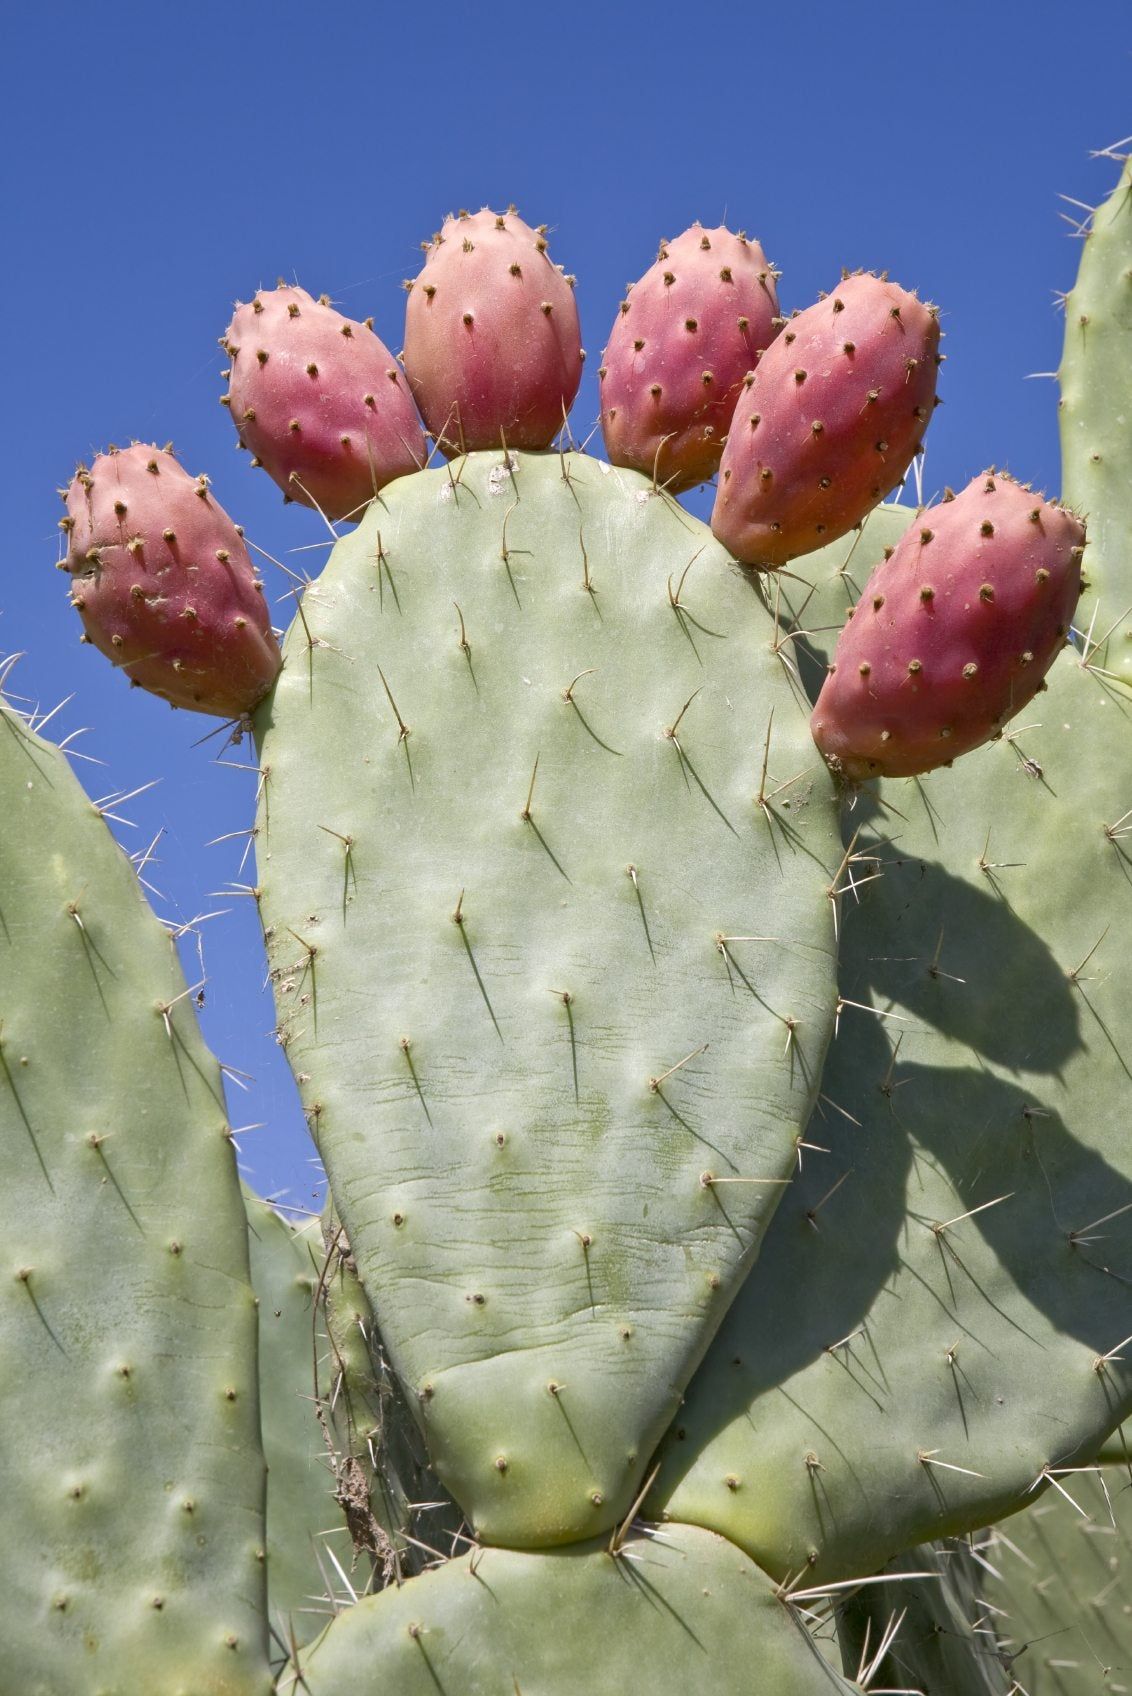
(545, 852)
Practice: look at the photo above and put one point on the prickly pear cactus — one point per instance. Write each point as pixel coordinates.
(1096, 409)
(493, 350)
(1116, 1450)
(164, 583)
(830, 423)
(953, 634)
(133, 1471)
(678, 1611)
(304, 1534)
(685, 338)
(303, 392)
(925, 1628)
(351, 1502)
(1057, 1581)
(574, 811)
(640, 1307)
(399, 1516)
(934, 1325)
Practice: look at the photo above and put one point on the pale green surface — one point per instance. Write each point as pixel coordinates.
(814, 597)
(303, 1519)
(1065, 1588)
(865, 1340)
(132, 1475)
(524, 1210)
(1117, 1449)
(343, 1489)
(1096, 421)
(942, 1646)
(401, 1517)
(679, 1614)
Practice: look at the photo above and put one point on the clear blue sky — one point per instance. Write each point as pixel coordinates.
(163, 159)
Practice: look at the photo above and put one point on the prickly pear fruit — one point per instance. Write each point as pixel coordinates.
(686, 336)
(830, 422)
(165, 584)
(320, 401)
(953, 633)
(492, 345)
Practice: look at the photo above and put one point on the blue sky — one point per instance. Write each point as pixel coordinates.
(162, 160)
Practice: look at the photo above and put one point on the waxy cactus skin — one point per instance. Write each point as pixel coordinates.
(684, 338)
(165, 584)
(953, 632)
(830, 422)
(493, 351)
(132, 1554)
(1095, 412)
(553, 772)
(320, 401)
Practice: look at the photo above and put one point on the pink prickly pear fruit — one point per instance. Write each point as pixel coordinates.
(492, 346)
(685, 338)
(953, 633)
(829, 423)
(319, 400)
(164, 583)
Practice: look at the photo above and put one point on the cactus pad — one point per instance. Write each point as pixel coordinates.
(544, 852)
(1096, 415)
(671, 1613)
(1060, 1586)
(301, 1514)
(935, 1323)
(133, 1473)
(934, 1624)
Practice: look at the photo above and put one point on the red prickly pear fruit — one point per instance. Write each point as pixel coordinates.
(165, 585)
(492, 351)
(953, 633)
(830, 422)
(320, 401)
(687, 335)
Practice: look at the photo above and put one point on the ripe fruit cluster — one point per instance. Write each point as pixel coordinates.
(809, 422)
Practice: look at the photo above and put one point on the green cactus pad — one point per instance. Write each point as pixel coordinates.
(1060, 1582)
(813, 598)
(556, 987)
(935, 1322)
(302, 1515)
(673, 1613)
(133, 1545)
(942, 1645)
(401, 1517)
(1116, 1450)
(1096, 421)
(345, 1465)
